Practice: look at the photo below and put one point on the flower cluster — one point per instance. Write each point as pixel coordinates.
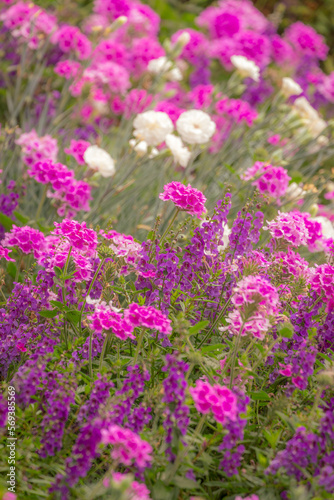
(255, 300)
(218, 399)
(269, 180)
(128, 448)
(185, 198)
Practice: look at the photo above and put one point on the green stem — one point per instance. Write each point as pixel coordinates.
(89, 290)
(235, 355)
(90, 355)
(139, 344)
(169, 225)
(105, 343)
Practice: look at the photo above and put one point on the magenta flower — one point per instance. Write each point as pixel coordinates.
(128, 447)
(186, 198)
(219, 400)
(107, 318)
(79, 236)
(148, 317)
(4, 254)
(269, 180)
(27, 239)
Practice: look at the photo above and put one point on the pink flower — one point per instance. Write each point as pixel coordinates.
(269, 180)
(240, 111)
(136, 101)
(258, 292)
(186, 198)
(27, 239)
(4, 254)
(78, 234)
(77, 149)
(9, 496)
(148, 317)
(291, 227)
(136, 491)
(251, 497)
(217, 399)
(70, 38)
(323, 283)
(128, 448)
(306, 40)
(285, 370)
(35, 148)
(106, 318)
(68, 69)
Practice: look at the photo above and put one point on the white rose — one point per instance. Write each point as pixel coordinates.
(326, 226)
(180, 153)
(98, 159)
(246, 68)
(290, 87)
(311, 118)
(152, 127)
(195, 126)
(225, 239)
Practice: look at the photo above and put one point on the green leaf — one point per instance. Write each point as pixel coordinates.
(214, 347)
(6, 222)
(57, 303)
(272, 437)
(73, 316)
(198, 327)
(285, 330)
(185, 483)
(260, 396)
(11, 269)
(21, 217)
(48, 314)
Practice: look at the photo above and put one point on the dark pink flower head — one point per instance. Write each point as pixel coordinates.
(269, 180)
(219, 400)
(79, 236)
(77, 149)
(128, 448)
(106, 318)
(148, 317)
(306, 40)
(186, 198)
(4, 254)
(27, 239)
(256, 291)
(323, 283)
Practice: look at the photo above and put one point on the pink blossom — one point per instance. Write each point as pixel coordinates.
(136, 101)
(186, 198)
(217, 399)
(115, 76)
(196, 48)
(285, 370)
(291, 262)
(291, 227)
(128, 448)
(237, 109)
(202, 96)
(4, 254)
(9, 496)
(149, 317)
(35, 148)
(68, 69)
(250, 497)
(78, 234)
(306, 40)
(106, 318)
(110, 50)
(142, 52)
(262, 296)
(173, 111)
(112, 9)
(282, 51)
(27, 239)
(124, 246)
(269, 180)
(323, 283)
(77, 149)
(70, 38)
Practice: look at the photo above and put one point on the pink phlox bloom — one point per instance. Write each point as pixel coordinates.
(186, 198)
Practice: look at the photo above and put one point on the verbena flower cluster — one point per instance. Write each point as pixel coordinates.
(166, 252)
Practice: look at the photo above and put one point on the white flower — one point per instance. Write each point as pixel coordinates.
(141, 148)
(311, 118)
(304, 109)
(98, 159)
(246, 68)
(295, 192)
(160, 65)
(163, 66)
(181, 153)
(326, 226)
(152, 127)
(195, 126)
(290, 87)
